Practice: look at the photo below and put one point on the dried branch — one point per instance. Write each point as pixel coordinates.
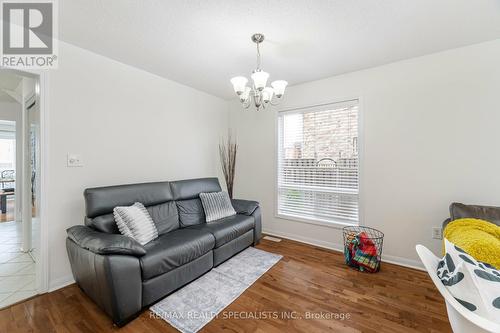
(227, 153)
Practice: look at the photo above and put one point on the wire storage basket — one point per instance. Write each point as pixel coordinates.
(363, 248)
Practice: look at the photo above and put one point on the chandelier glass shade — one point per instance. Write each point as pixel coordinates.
(258, 94)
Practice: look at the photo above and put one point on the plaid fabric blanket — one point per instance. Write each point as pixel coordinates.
(360, 252)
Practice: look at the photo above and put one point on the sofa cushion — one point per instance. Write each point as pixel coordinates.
(487, 213)
(191, 188)
(102, 200)
(190, 212)
(173, 250)
(164, 216)
(227, 229)
(103, 223)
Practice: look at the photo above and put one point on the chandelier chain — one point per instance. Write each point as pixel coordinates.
(258, 56)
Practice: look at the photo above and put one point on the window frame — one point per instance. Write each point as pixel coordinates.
(314, 221)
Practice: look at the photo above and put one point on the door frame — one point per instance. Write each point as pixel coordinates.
(42, 95)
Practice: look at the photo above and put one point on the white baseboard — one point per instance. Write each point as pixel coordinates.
(340, 248)
(61, 282)
(410, 263)
(306, 240)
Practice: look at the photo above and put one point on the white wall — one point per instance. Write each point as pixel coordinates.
(130, 126)
(431, 136)
(10, 111)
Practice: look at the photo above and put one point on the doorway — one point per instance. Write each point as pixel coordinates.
(19, 190)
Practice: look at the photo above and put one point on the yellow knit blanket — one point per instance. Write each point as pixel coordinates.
(480, 239)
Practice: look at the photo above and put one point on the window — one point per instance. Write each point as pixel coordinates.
(7, 145)
(318, 163)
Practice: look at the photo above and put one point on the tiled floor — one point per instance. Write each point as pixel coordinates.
(17, 269)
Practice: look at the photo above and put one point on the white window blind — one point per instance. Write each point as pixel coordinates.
(318, 163)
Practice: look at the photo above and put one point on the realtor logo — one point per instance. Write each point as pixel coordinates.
(28, 34)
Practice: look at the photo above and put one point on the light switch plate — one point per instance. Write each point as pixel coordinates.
(75, 160)
(437, 233)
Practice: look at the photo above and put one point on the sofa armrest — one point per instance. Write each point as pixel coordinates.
(245, 207)
(103, 243)
(113, 282)
(250, 208)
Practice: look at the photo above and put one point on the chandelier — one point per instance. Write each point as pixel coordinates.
(259, 95)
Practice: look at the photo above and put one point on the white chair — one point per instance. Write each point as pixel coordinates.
(461, 319)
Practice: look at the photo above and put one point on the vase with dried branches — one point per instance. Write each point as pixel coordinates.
(227, 153)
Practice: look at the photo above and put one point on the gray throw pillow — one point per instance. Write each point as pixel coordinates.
(216, 205)
(135, 222)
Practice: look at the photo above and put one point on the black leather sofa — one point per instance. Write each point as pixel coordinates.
(121, 275)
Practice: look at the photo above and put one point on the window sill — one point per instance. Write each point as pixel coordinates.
(329, 224)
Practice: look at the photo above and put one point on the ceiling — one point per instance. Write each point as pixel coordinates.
(203, 43)
(8, 81)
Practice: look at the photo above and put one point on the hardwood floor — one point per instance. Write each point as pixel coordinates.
(9, 214)
(307, 280)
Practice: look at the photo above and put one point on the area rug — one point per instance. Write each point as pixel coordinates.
(195, 305)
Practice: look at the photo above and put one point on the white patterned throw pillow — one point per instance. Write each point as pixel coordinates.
(135, 222)
(474, 284)
(216, 205)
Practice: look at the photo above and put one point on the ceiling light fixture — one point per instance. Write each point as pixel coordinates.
(258, 93)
